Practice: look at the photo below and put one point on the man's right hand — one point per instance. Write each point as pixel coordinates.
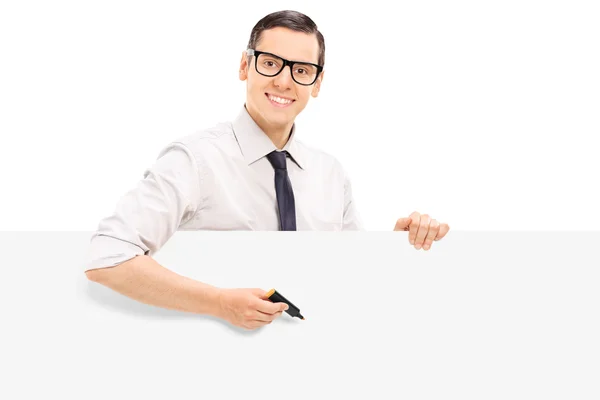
(248, 308)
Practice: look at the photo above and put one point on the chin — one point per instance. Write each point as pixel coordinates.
(278, 117)
(279, 120)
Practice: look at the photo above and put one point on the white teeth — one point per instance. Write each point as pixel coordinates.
(279, 100)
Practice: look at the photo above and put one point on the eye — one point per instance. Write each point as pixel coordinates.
(304, 70)
(270, 63)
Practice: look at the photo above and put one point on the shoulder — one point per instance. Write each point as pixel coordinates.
(220, 132)
(203, 142)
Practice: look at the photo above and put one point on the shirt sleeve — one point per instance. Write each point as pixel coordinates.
(151, 212)
(352, 218)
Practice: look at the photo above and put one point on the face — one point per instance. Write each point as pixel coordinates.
(268, 112)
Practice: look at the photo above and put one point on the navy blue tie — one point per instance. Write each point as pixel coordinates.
(283, 189)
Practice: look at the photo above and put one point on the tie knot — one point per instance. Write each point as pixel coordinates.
(277, 159)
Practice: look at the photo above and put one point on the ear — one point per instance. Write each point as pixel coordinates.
(244, 67)
(317, 86)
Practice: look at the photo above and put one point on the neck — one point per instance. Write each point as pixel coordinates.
(279, 134)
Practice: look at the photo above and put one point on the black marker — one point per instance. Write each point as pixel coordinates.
(275, 297)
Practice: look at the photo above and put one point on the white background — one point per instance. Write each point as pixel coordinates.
(482, 114)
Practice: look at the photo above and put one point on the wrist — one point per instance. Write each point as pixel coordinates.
(213, 300)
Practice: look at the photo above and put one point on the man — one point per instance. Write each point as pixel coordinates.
(248, 174)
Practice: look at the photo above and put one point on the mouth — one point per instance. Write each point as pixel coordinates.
(279, 101)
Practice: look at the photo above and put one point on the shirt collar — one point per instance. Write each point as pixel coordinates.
(255, 144)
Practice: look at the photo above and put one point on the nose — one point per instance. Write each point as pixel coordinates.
(284, 79)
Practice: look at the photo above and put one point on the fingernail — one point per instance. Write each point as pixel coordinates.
(426, 247)
(418, 246)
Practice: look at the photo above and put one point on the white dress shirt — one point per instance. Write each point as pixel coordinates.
(220, 179)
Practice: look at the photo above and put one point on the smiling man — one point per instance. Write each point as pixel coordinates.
(251, 173)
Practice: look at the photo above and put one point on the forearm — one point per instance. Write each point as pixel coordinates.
(145, 280)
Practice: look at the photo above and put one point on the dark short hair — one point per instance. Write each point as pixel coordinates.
(293, 20)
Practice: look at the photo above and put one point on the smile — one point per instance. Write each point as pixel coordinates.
(279, 101)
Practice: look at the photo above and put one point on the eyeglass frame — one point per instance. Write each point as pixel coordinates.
(257, 53)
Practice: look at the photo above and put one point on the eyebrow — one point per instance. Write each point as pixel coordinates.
(291, 60)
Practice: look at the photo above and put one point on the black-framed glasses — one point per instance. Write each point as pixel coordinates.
(268, 64)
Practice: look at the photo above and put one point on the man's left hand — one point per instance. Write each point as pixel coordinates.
(423, 230)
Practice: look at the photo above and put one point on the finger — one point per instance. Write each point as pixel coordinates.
(258, 316)
(259, 293)
(268, 307)
(402, 224)
(268, 317)
(434, 228)
(264, 304)
(414, 226)
(263, 317)
(254, 316)
(444, 228)
(422, 231)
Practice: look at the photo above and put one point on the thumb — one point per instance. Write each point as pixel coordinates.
(259, 293)
(284, 306)
(402, 224)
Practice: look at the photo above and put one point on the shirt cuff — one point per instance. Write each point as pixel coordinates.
(107, 251)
